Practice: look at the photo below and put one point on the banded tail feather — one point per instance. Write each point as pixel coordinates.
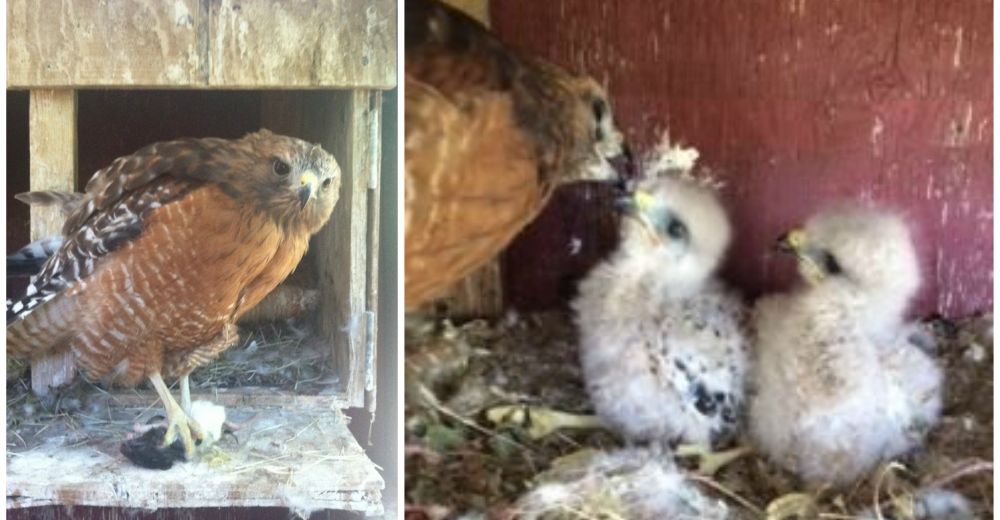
(28, 260)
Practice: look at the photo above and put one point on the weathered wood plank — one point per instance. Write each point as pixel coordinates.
(302, 43)
(52, 138)
(247, 396)
(306, 461)
(478, 9)
(374, 200)
(346, 124)
(480, 294)
(202, 44)
(342, 247)
(112, 42)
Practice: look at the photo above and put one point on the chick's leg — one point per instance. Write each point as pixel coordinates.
(178, 421)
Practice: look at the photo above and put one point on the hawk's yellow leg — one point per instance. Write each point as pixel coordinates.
(186, 394)
(178, 420)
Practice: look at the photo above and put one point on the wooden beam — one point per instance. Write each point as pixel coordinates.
(260, 44)
(342, 247)
(302, 459)
(253, 44)
(346, 124)
(244, 396)
(374, 199)
(52, 138)
(125, 42)
(479, 294)
(478, 9)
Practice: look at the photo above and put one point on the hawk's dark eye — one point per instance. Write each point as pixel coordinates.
(830, 264)
(281, 168)
(326, 183)
(677, 230)
(599, 107)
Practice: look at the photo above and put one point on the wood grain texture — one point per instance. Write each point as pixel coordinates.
(53, 153)
(340, 122)
(244, 396)
(302, 43)
(341, 248)
(164, 513)
(372, 275)
(478, 9)
(479, 294)
(793, 105)
(52, 145)
(202, 44)
(111, 42)
(305, 460)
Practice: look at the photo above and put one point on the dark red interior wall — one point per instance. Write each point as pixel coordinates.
(794, 104)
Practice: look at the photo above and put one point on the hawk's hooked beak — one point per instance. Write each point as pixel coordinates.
(625, 167)
(308, 182)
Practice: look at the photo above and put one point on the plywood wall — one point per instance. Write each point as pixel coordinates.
(794, 104)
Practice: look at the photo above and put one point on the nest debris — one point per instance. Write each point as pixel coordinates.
(462, 464)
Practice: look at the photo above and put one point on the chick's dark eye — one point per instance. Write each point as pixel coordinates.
(281, 167)
(327, 182)
(677, 230)
(830, 264)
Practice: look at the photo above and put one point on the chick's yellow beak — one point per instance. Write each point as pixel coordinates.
(308, 182)
(793, 242)
(643, 201)
(796, 242)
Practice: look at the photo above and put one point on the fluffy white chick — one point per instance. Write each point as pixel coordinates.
(634, 483)
(661, 341)
(836, 386)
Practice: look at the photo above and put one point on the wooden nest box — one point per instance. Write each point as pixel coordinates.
(98, 80)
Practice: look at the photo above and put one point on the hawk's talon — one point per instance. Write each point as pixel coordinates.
(179, 422)
(184, 426)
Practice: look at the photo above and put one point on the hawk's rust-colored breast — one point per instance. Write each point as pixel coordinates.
(200, 263)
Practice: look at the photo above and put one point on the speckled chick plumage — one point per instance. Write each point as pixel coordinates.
(837, 385)
(661, 340)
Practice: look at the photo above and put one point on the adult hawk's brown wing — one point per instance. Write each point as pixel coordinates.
(488, 136)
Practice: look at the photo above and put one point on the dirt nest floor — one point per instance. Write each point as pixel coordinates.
(471, 455)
